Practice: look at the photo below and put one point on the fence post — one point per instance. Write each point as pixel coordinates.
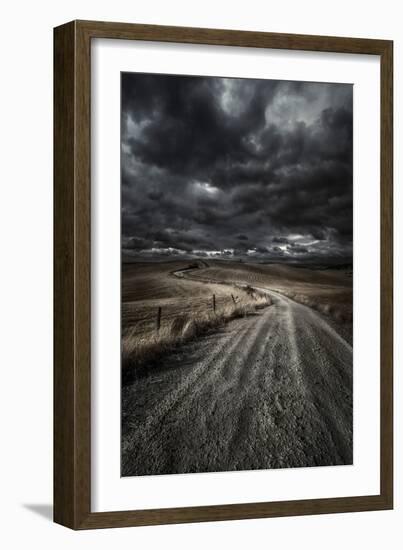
(214, 302)
(159, 318)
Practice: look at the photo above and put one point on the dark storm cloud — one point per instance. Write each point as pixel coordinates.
(280, 240)
(297, 249)
(236, 167)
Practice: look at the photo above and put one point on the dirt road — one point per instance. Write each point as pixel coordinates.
(272, 390)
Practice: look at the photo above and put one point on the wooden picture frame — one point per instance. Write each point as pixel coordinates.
(72, 319)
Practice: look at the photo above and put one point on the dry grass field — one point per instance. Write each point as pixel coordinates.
(187, 307)
(329, 291)
(185, 292)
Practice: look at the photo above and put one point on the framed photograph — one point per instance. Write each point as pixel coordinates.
(222, 275)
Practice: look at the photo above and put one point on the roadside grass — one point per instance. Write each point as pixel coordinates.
(140, 348)
(328, 292)
(341, 313)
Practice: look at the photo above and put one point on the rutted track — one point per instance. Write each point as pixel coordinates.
(272, 390)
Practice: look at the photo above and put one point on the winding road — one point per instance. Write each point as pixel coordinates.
(273, 390)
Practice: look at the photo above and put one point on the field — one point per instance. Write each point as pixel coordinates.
(167, 303)
(327, 290)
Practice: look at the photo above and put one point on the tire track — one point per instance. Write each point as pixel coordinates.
(269, 391)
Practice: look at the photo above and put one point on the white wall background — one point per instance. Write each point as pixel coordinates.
(26, 271)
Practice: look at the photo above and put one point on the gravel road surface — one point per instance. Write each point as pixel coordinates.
(273, 390)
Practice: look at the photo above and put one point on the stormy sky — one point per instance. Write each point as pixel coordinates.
(259, 170)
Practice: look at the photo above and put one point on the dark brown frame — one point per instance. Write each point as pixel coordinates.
(72, 321)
